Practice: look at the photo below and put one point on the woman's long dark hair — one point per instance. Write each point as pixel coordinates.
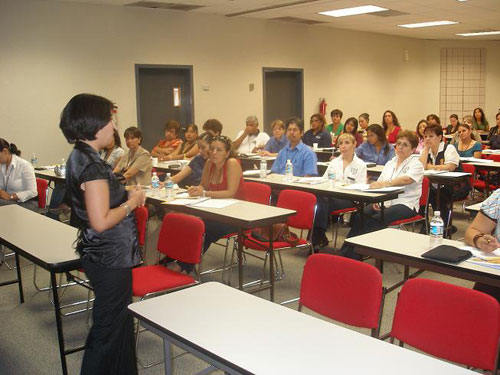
(380, 133)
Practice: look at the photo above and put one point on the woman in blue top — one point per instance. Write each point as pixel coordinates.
(466, 145)
(317, 133)
(376, 149)
(277, 141)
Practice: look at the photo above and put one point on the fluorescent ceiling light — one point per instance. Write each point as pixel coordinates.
(481, 33)
(428, 24)
(353, 11)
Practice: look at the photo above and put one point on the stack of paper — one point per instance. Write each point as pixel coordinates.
(481, 258)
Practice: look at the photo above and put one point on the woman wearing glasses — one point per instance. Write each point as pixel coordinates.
(222, 178)
(404, 171)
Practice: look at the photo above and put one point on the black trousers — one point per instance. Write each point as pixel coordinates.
(110, 346)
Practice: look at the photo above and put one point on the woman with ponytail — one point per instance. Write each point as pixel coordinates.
(17, 178)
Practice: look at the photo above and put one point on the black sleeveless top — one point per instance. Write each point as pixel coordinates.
(116, 247)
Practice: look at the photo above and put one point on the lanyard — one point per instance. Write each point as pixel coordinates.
(7, 176)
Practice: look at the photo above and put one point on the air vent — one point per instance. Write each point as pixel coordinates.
(170, 6)
(388, 13)
(297, 20)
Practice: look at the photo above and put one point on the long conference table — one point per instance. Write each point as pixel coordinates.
(242, 334)
(47, 243)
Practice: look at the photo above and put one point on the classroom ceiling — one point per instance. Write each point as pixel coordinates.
(471, 15)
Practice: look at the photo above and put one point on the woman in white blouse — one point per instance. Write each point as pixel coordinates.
(403, 170)
(348, 169)
(17, 178)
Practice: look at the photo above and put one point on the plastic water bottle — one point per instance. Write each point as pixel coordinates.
(169, 187)
(436, 232)
(155, 184)
(34, 160)
(63, 168)
(263, 168)
(288, 170)
(331, 176)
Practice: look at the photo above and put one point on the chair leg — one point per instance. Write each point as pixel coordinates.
(264, 270)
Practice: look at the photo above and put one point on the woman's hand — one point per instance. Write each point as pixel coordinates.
(379, 184)
(487, 243)
(195, 191)
(137, 197)
(264, 153)
(4, 195)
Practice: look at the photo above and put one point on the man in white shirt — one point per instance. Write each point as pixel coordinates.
(250, 139)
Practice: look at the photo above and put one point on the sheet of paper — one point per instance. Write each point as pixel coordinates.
(355, 186)
(456, 174)
(254, 172)
(476, 160)
(216, 203)
(384, 189)
(311, 180)
(429, 172)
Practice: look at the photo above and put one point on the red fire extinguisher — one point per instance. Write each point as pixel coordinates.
(322, 106)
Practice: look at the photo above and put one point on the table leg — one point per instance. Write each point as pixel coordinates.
(271, 263)
(167, 350)
(57, 310)
(240, 259)
(19, 279)
(382, 209)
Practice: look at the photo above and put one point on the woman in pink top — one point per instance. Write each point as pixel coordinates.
(222, 178)
(391, 126)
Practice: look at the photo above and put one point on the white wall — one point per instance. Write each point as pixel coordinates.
(52, 51)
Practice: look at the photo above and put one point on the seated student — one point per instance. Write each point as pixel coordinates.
(336, 127)
(391, 125)
(190, 175)
(484, 234)
(403, 170)
(277, 141)
(376, 149)
(187, 149)
(212, 126)
(364, 121)
(453, 127)
(317, 133)
(351, 127)
(422, 124)
(171, 143)
(17, 178)
(467, 146)
(250, 139)
(479, 121)
(349, 169)
(302, 157)
(438, 155)
(222, 178)
(136, 164)
(475, 134)
(113, 152)
(495, 139)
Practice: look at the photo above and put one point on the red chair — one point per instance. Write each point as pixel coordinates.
(338, 214)
(448, 321)
(141, 219)
(42, 187)
(475, 183)
(181, 238)
(424, 202)
(343, 289)
(305, 205)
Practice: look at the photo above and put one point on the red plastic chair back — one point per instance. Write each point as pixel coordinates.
(424, 197)
(494, 157)
(181, 237)
(141, 220)
(42, 186)
(302, 202)
(448, 321)
(469, 168)
(257, 192)
(342, 289)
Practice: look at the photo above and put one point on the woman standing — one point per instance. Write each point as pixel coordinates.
(479, 121)
(113, 153)
(189, 148)
(376, 149)
(317, 133)
(467, 146)
(404, 170)
(17, 178)
(107, 236)
(222, 178)
(349, 169)
(391, 126)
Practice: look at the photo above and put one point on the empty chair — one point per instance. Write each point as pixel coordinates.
(448, 321)
(343, 289)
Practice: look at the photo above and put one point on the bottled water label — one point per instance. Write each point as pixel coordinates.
(436, 230)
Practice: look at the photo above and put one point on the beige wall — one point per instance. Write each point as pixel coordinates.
(52, 51)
